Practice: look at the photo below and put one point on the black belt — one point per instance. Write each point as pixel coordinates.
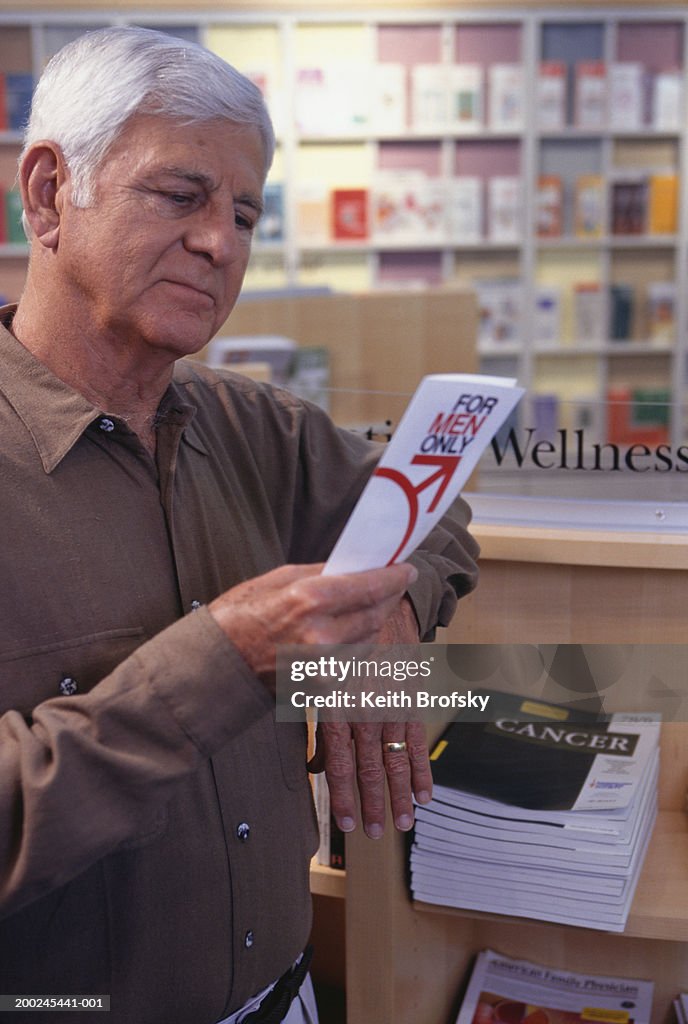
(274, 1007)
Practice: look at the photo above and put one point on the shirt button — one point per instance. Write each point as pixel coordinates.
(248, 939)
(195, 605)
(68, 686)
(243, 831)
(106, 424)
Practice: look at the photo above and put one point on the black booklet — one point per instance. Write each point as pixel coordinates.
(533, 754)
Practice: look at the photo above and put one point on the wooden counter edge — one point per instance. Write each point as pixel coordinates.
(621, 549)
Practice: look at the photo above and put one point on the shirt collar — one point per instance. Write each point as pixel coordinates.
(55, 414)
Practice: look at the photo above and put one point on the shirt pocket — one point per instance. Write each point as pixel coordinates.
(64, 667)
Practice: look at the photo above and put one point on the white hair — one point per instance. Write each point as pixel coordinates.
(95, 84)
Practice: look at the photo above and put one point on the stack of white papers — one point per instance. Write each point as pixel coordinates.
(543, 813)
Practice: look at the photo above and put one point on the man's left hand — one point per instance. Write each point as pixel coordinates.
(355, 755)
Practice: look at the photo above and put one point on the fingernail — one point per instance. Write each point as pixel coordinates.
(423, 797)
(404, 822)
(347, 824)
(374, 831)
(414, 573)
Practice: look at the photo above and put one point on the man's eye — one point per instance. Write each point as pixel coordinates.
(179, 199)
(243, 222)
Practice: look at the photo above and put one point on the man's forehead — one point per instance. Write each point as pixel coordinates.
(199, 148)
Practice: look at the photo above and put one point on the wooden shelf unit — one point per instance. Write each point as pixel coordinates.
(327, 881)
(549, 586)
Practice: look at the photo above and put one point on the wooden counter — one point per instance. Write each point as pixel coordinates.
(575, 586)
(408, 962)
(621, 549)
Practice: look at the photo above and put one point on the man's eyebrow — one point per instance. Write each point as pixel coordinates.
(193, 177)
(249, 199)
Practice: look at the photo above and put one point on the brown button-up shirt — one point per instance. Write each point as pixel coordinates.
(135, 744)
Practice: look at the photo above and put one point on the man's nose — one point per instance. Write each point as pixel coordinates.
(216, 235)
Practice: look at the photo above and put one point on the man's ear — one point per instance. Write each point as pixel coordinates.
(42, 178)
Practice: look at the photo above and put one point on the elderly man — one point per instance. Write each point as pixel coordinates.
(163, 531)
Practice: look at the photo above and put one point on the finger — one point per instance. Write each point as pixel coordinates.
(284, 574)
(419, 761)
(317, 761)
(351, 591)
(398, 770)
(370, 774)
(341, 773)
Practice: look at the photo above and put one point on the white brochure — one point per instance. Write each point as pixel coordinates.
(447, 425)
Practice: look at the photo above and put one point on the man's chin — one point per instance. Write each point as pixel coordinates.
(184, 333)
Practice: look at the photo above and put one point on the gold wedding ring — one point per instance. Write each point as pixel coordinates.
(394, 748)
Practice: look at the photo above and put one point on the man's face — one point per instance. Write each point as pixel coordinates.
(159, 259)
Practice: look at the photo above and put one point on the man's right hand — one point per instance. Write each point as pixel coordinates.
(296, 604)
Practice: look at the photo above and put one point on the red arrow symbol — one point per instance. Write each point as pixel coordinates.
(447, 466)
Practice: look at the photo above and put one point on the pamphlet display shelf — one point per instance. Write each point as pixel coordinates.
(538, 585)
